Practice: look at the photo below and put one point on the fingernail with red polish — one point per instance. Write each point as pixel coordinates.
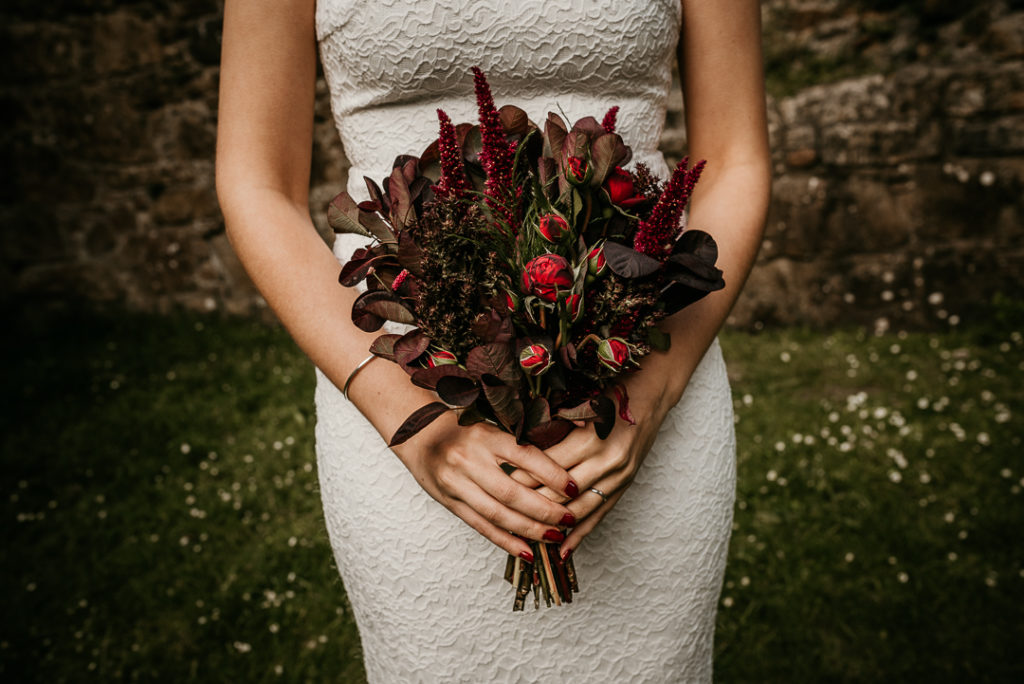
(566, 554)
(554, 536)
(568, 520)
(526, 556)
(572, 490)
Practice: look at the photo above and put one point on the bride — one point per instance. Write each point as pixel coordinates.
(420, 533)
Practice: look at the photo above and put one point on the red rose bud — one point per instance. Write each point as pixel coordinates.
(578, 172)
(596, 263)
(440, 357)
(552, 227)
(511, 301)
(574, 305)
(613, 353)
(619, 185)
(535, 359)
(545, 275)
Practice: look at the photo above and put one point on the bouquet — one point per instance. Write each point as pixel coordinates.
(535, 269)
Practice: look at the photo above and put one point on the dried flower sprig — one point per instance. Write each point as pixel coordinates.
(452, 183)
(496, 153)
(610, 118)
(656, 235)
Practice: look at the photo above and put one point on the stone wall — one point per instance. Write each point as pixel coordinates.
(899, 194)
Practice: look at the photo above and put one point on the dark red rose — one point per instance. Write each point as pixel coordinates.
(620, 189)
(613, 353)
(552, 227)
(619, 185)
(535, 359)
(545, 275)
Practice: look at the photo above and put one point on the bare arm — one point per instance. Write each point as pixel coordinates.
(264, 142)
(723, 89)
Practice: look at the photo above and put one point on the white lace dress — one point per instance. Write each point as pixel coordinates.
(427, 590)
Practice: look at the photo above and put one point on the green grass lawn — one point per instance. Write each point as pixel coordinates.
(162, 523)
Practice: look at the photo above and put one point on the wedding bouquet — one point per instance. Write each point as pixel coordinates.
(535, 269)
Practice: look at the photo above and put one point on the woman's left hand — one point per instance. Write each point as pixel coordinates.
(608, 465)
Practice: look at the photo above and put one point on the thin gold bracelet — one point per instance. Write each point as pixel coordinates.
(355, 372)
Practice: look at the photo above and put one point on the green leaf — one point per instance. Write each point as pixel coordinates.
(658, 338)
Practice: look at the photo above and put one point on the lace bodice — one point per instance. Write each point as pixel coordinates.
(390, 63)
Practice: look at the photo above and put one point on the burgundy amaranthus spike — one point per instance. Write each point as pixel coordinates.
(654, 237)
(453, 172)
(495, 152)
(608, 122)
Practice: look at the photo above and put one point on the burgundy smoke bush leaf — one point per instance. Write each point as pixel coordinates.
(410, 347)
(627, 262)
(493, 359)
(537, 411)
(355, 269)
(555, 133)
(383, 304)
(605, 420)
(384, 346)
(504, 401)
(419, 419)
(457, 391)
(410, 255)
(693, 266)
(548, 434)
(378, 227)
(364, 318)
(606, 153)
(490, 326)
(584, 411)
(471, 415)
(427, 378)
(514, 120)
(409, 165)
(376, 195)
(401, 200)
(698, 243)
(343, 216)
(590, 127)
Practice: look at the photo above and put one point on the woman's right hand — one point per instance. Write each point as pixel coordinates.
(460, 467)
